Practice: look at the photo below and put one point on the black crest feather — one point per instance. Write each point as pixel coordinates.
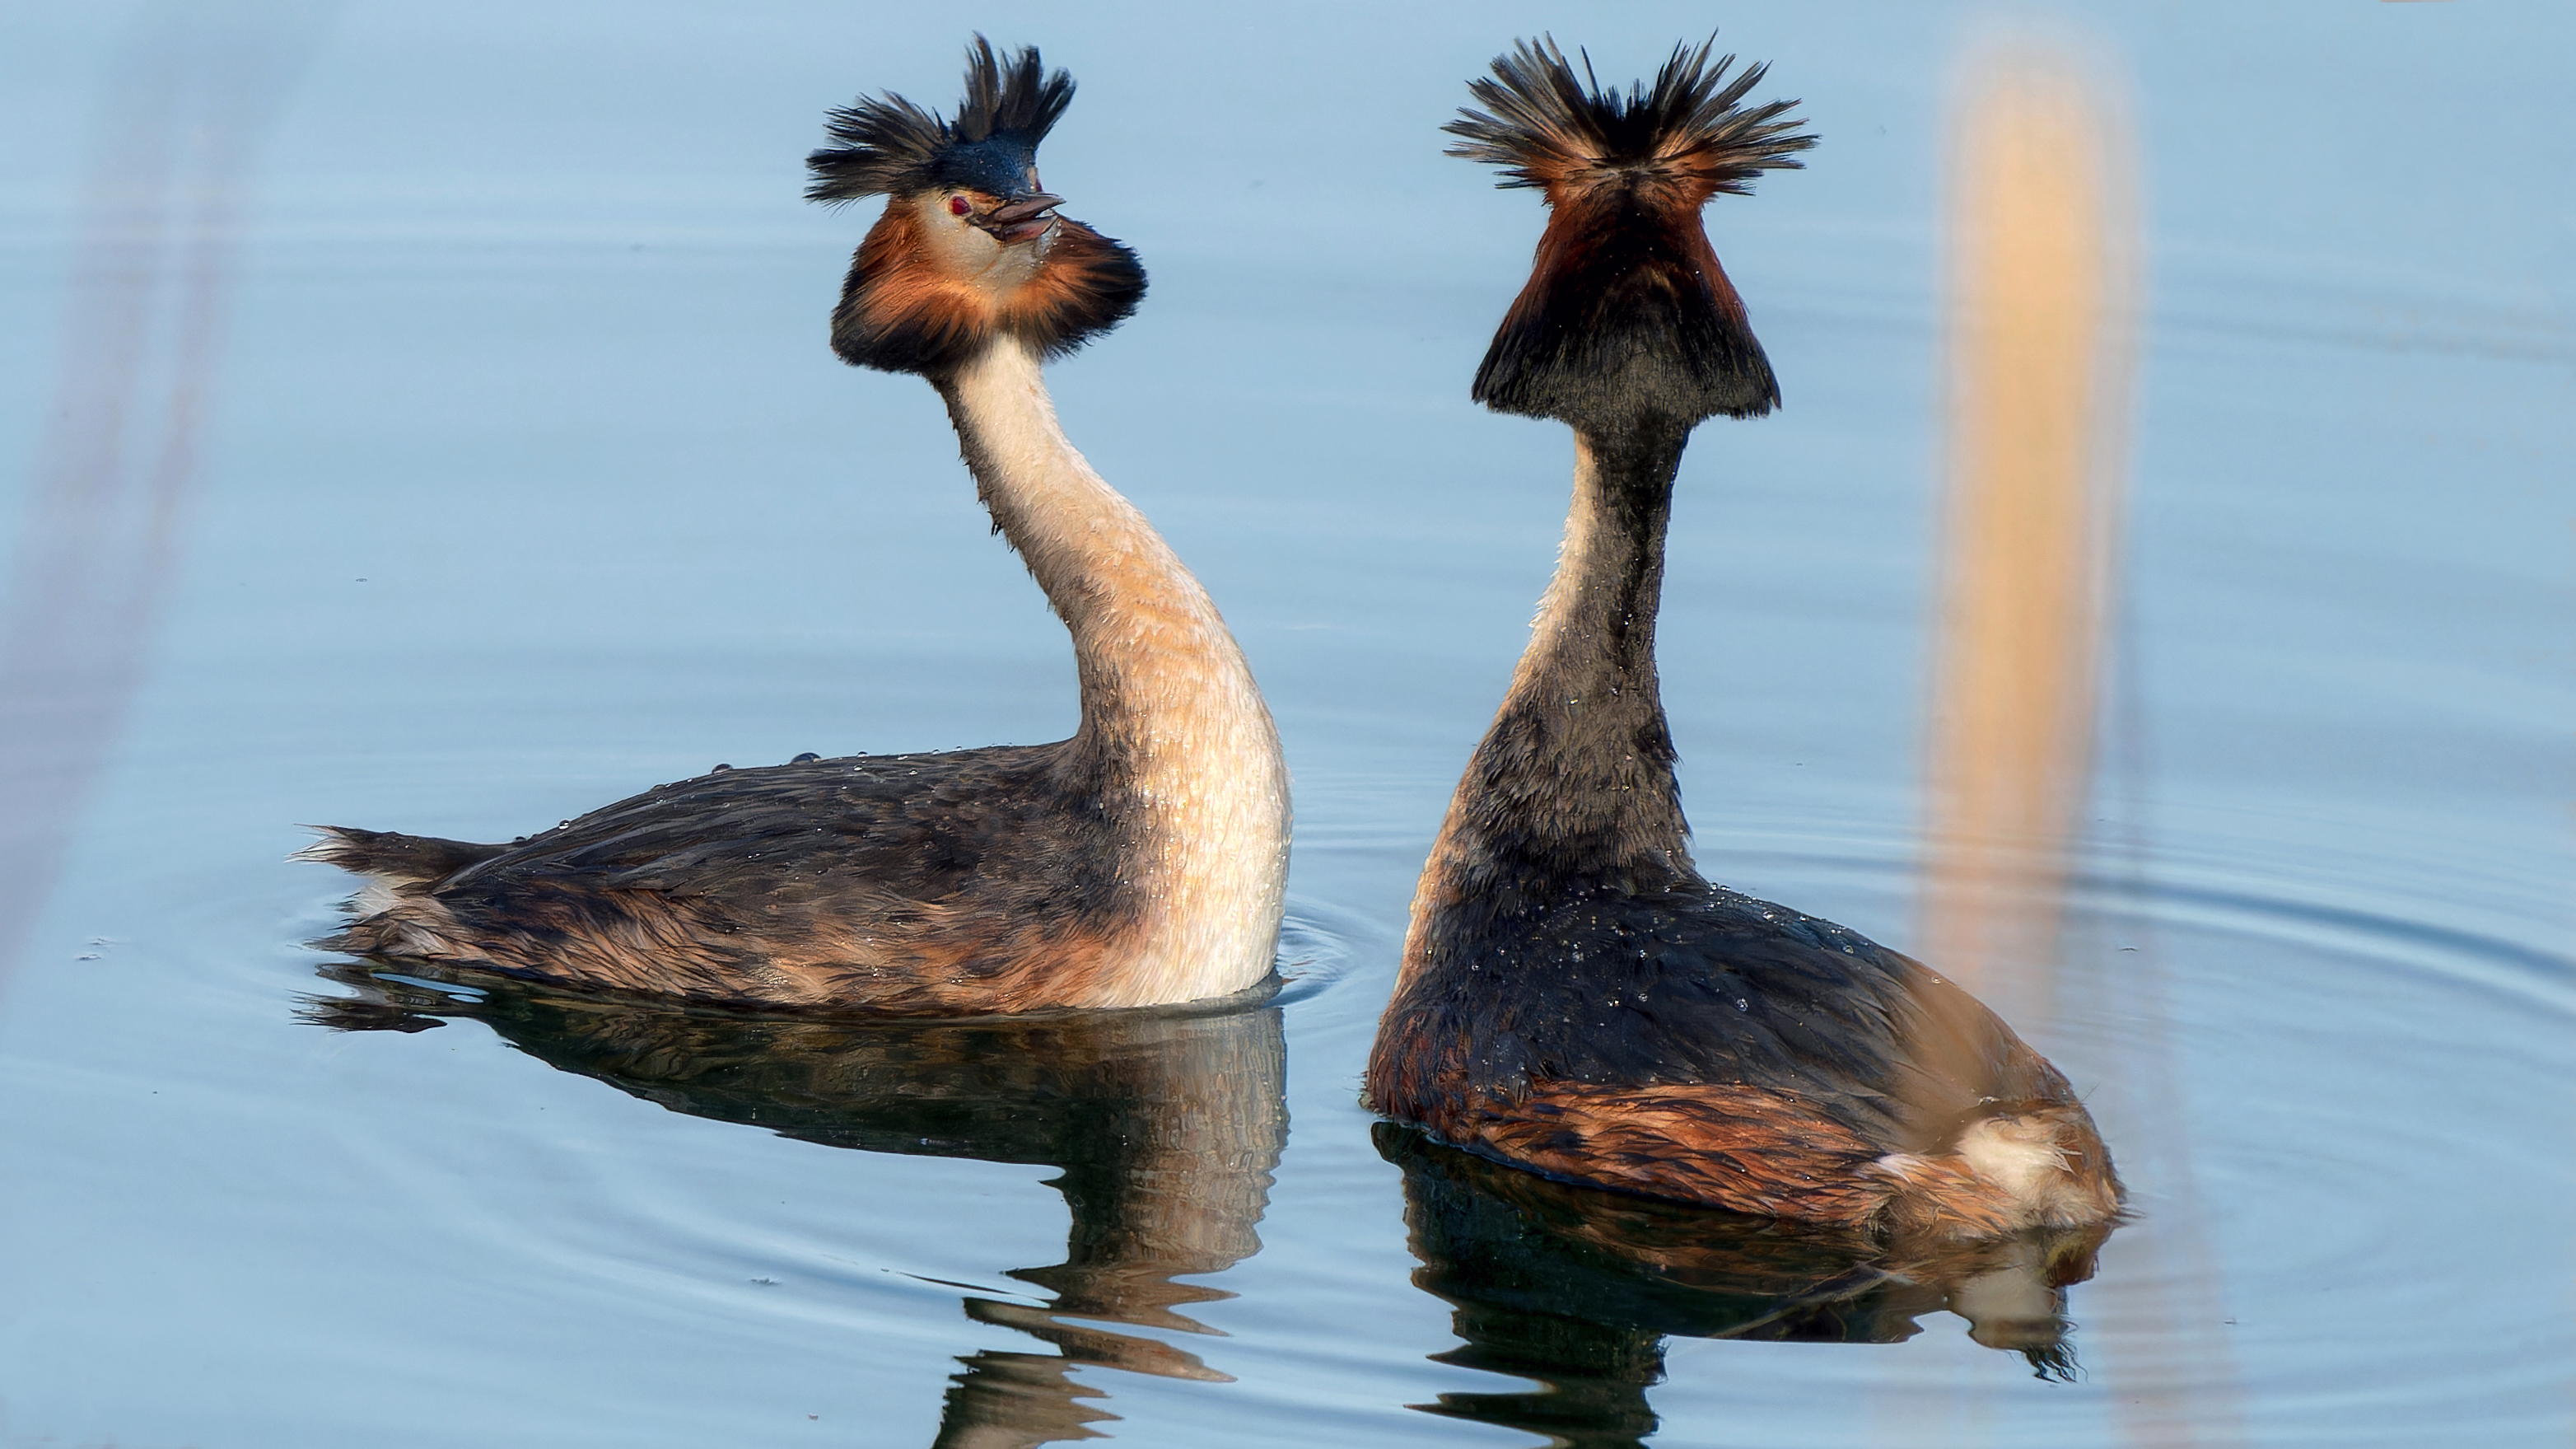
(1545, 127)
(889, 145)
(1627, 314)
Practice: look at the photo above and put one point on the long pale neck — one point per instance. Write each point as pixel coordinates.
(1574, 781)
(1185, 752)
(1146, 638)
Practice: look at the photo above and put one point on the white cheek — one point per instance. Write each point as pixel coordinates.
(961, 249)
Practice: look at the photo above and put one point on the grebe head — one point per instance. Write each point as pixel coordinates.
(1627, 310)
(970, 249)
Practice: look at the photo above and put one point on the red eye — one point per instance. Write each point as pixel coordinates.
(959, 206)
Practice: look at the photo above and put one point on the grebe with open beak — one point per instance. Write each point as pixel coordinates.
(1142, 861)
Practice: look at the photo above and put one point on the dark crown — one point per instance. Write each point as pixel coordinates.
(889, 145)
(1627, 315)
(1546, 128)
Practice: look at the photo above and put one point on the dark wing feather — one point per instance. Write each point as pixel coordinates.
(791, 838)
(911, 882)
(1709, 987)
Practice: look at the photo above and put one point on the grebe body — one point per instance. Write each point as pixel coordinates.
(1141, 862)
(1575, 998)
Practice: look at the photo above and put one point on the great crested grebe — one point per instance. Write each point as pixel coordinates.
(1575, 997)
(1142, 861)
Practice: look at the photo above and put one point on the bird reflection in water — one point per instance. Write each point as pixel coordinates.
(1578, 1288)
(1165, 1125)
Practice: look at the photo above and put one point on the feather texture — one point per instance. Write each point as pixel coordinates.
(1627, 313)
(1549, 130)
(891, 146)
(1575, 998)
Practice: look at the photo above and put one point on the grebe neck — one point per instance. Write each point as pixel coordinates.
(1175, 739)
(1573, 785)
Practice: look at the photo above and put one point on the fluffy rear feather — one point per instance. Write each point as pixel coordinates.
(393, 858)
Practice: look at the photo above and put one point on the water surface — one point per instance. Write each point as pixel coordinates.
(526, 481)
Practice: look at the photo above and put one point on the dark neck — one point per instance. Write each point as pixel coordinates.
(1574, 782)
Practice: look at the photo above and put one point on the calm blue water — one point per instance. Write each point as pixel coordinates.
(526, 481)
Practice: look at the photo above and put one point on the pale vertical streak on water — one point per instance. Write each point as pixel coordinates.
(2041, 332)
(2044, 302)
(180, 119)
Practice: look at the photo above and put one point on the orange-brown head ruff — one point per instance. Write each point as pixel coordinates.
(1627, 312)
(969, 251)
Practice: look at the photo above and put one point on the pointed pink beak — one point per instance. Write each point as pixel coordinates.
(1023, 220)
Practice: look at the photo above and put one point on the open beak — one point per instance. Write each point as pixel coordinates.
(1025, 219)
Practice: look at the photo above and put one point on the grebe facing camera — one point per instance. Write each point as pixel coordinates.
(1575, 998)
(1140, 862)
